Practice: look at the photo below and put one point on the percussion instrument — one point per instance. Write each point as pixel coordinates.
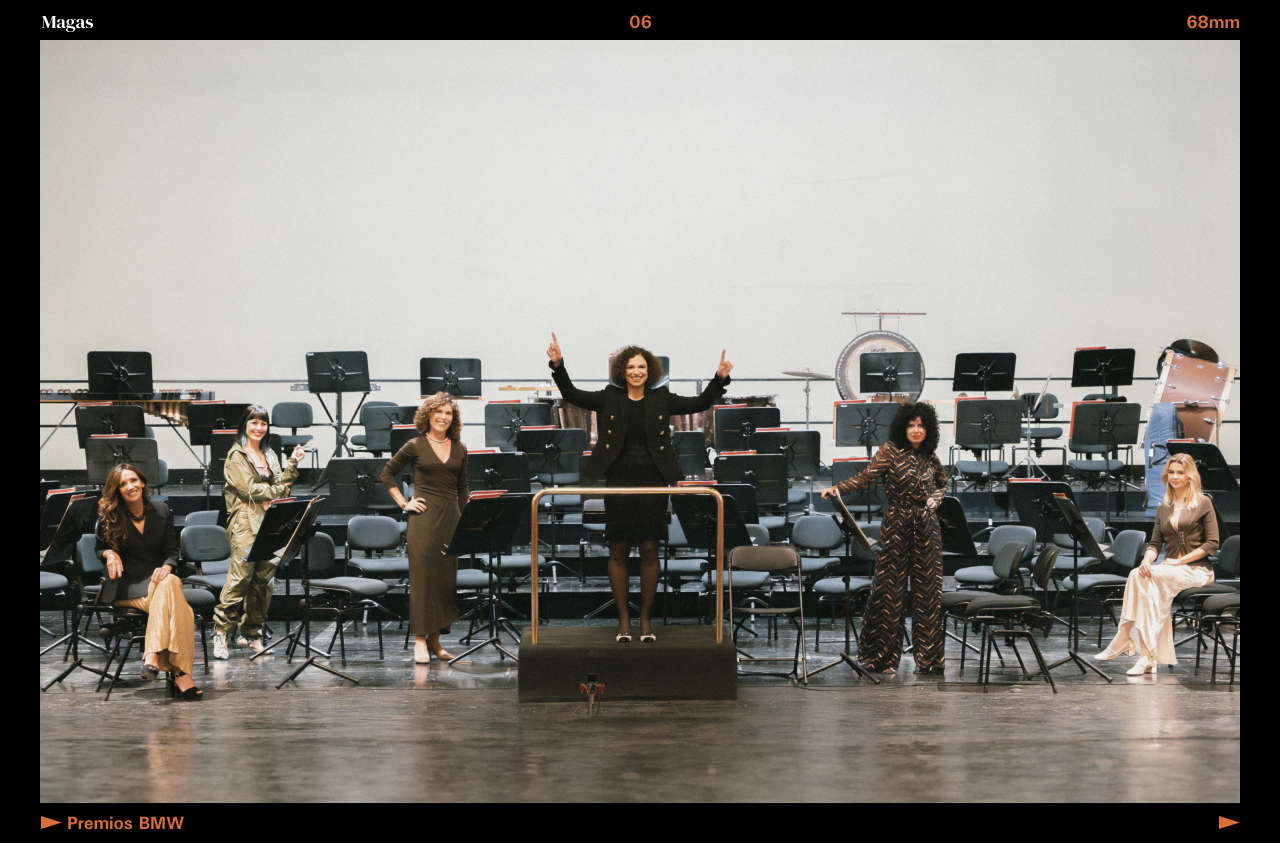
(168, 404)
(1200, 389)
(847, 367)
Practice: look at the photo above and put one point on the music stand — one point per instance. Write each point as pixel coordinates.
(220, 443)
(853, 535)
(203, 418)
(697, 515)
(458, 376)
(488, 527)
(1081, 539)
(507, 471)
(983, 423)
(956, 537)
(1215, 474)
(892, 372)
(553, 452)
(873, 500)
(801, 449)
(76, 520)
(735, 427)
(1031, 403)
(691, 452)
(401, 434)
(503, 420)
(1104, 367)
(355, 484)
(337, 372)
(986, 372)
(1111, 425)
(120, 374)
(109, 420)
(767, 473)
(54, 506)
(1036, 503)
(380, 421)
(102, 453)
(864, 425)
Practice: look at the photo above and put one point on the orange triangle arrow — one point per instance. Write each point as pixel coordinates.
(1223, 822)
(45, 822)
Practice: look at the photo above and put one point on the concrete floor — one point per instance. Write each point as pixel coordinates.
(408, 733)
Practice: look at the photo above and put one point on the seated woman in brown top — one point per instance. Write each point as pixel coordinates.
(440, 492)
(1187, 527)
(140, 548)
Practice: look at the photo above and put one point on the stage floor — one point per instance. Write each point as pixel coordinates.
(412, 733)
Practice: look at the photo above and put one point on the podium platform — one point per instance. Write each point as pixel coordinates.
(685, 663)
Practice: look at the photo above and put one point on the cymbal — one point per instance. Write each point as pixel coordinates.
(813, 376)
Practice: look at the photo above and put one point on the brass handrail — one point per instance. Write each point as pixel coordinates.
(637, 490)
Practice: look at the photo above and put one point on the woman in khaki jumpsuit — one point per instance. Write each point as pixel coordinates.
(254, 478)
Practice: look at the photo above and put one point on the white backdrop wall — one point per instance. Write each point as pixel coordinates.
(231, 206)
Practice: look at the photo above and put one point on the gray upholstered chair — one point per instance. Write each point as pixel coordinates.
(358, 440)
(980, 576)
(375, 534)
(1004, 572)
(1220, 616)
(205, 548)
(204, 516)
(1100, 588)
(294, 415)
(820, 535)
(342, 597)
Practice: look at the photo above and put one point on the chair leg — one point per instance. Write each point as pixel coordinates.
(119, 667)
(379, 623)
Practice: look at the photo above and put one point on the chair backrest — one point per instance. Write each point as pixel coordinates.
(775, 558)
(292, 414)
(1005, 563)
(1048, 408)
(372, 532)
(321, 555)
(675, 534)
(1229, 557)
(1042, 571)
(816, 532)
(162, 476)
(1005, 533)
(205, 543)
(593, 515)
(1097, 529)
(1127, 548)
(204, 516)
(759, 534)
(90, 562)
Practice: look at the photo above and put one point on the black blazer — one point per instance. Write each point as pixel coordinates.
(142, 553)
(611, 407)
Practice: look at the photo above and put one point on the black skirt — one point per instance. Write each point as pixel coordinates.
(635, 518)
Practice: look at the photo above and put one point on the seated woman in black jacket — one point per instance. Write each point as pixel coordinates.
(140, 548)
(633, 448)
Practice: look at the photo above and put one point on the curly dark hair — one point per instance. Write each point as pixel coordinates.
(433, 404)
(618, 365)
(928, 417)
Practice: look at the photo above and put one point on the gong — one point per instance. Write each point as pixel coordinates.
(872, 341)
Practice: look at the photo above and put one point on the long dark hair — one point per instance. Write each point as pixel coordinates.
(112, 507)
(253, 411)
(618, 365)
(928, 417)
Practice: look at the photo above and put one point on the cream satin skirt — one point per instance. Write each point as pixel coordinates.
(1148, 602)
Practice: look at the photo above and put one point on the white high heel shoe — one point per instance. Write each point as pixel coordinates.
(1144, 665)
(1109, 654)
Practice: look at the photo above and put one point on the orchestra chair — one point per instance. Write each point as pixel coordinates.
(131, 624)
(1104, 590)
(1038, 434)
(760, 587)
(1097, 529)
(975, 471)
(204, 516)
(1093, 471)
(840, 589)
(767, 561)
(340, 598)
(294, 415)
(85, 604)
(205, 548)
(375, 534)
(1226, 580)
(358, 440)
(980, 576)
(676, 568)
(1221, 616)
(55, 585)
(955, 604)
(817, 535)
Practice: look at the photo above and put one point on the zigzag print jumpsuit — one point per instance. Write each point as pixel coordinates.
(910, 545)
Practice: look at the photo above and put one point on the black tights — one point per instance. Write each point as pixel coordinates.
(619, 582)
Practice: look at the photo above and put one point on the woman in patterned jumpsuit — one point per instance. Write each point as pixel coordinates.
(913, 480)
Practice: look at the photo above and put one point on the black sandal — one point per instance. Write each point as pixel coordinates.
(191, 694)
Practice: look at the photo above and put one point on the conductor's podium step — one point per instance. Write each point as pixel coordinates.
(685, 663)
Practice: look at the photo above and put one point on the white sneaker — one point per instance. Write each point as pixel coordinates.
(220, 645)
(241, 641)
